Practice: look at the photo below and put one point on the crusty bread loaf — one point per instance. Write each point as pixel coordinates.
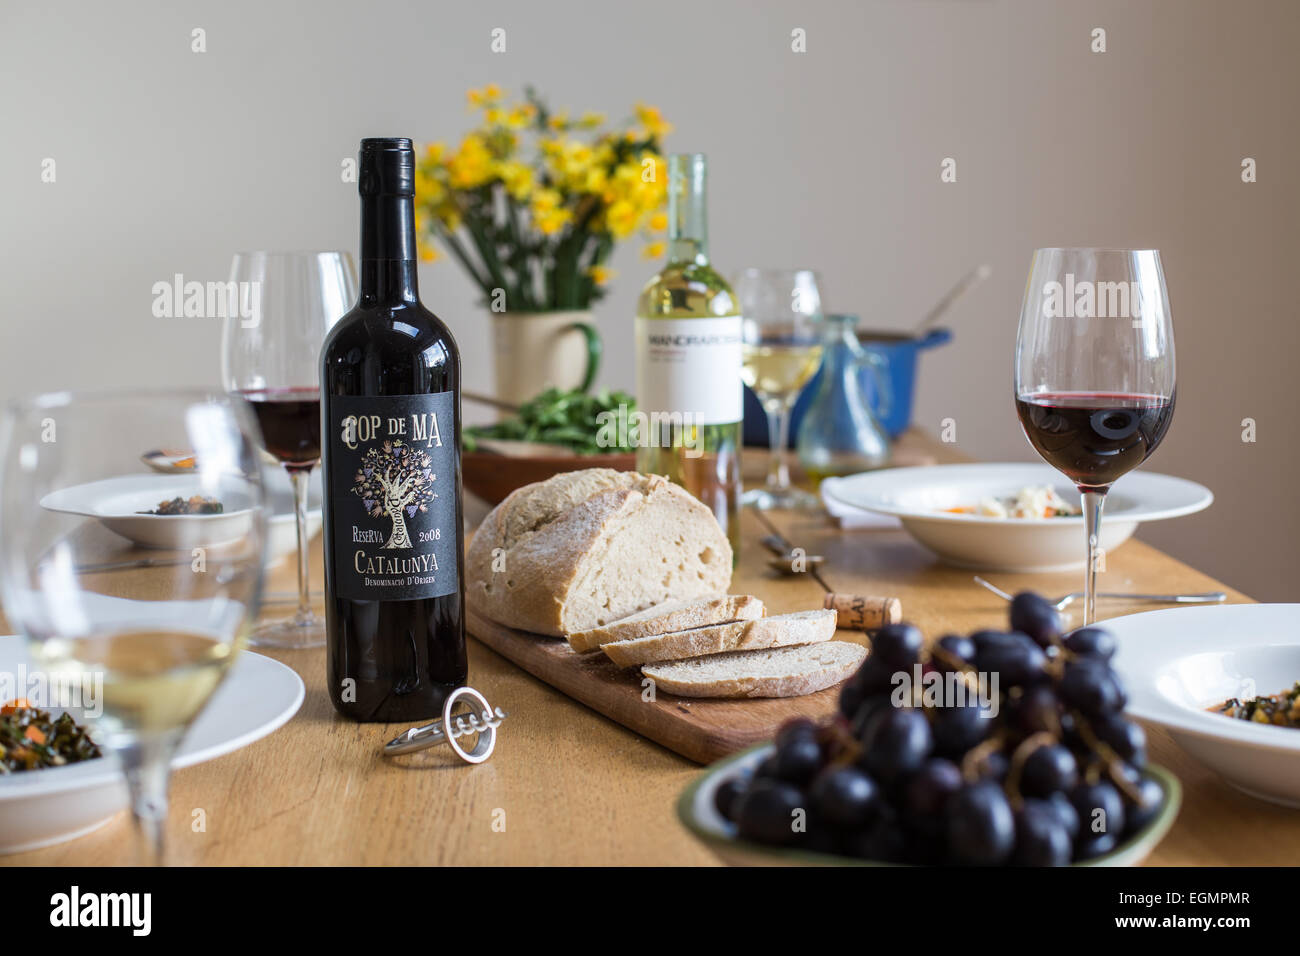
(779, 672)
(585, 548)
(781, 630)
(670, 616)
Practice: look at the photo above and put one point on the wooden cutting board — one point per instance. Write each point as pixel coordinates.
(697, 728)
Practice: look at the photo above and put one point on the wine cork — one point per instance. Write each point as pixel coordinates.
(864, 612)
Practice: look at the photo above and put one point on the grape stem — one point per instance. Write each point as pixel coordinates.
(850, 748)
(951, 660)
(1110, 760)
(1018, 758)
(970, 764)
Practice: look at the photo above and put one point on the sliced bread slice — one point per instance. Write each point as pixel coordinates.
(670, 616)
(780, 630)
(778, 672)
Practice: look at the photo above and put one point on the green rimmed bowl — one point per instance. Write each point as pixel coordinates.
(698, 814)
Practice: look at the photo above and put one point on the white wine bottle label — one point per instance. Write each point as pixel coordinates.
(392, 496)
(691, 367)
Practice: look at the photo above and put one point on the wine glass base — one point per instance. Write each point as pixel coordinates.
(782, 499)
(289, 634)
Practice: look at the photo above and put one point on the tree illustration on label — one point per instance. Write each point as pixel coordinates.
(395, 480)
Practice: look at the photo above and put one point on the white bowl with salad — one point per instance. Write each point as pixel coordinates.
(56, 783)
(1009, 516)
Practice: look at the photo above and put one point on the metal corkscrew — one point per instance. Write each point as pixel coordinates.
(482, 720)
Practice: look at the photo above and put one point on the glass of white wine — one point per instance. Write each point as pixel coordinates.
(782, 350)
(134, 572)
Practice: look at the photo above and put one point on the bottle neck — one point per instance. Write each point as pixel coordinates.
(688, 221)
(388, 252)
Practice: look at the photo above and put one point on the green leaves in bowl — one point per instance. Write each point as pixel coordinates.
(560, 417)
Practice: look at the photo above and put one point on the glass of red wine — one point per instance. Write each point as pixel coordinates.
(1095, 371)
(270, 352)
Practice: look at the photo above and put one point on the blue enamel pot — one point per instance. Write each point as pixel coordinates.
(900, 352)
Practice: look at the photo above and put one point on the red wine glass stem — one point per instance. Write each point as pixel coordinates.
(1093, 502)
(298, 477)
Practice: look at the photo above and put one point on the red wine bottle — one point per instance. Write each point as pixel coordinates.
(390, 419)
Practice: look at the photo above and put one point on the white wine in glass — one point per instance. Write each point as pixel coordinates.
(782, 351)
(777, 370)
(155, 630)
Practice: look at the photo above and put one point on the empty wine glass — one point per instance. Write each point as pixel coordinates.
(146, 618)
(271, 356)
(1094, 376)
(782, 348)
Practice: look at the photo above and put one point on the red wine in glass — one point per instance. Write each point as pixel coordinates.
(290, 423)
(1093, 438)
(272, 364)
(1095, 372)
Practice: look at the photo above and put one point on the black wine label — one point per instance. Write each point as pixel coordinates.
(392, 500)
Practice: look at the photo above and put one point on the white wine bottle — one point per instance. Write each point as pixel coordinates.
(688, 359)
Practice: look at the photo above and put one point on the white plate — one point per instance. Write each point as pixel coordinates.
(116, 503)
(42, 807)
(918, 497)
(1180, 661)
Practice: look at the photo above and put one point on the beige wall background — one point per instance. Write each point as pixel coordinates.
(168, 161)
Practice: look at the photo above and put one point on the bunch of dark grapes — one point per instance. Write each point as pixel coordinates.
(1045, 773)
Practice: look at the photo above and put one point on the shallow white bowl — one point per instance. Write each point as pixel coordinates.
(117, 503)
(1178, 662)
(919, 497)
(42, 807)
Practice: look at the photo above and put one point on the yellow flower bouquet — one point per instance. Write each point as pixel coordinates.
(532, 202)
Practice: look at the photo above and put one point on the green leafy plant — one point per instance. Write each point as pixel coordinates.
(558, 417)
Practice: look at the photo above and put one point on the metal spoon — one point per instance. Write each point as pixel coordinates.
(786, 557)
(964, 284)
(166, 462)
(785, 563)
(1061, 603)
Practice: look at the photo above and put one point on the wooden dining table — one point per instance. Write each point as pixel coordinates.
(569, 786)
